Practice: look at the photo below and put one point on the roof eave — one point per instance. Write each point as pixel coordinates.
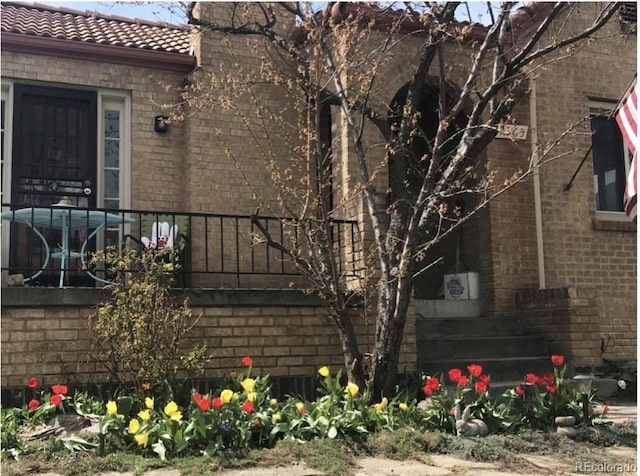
(164, 60)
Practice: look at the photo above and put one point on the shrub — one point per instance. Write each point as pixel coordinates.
(139, 335)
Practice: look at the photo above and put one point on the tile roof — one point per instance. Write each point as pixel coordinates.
(89, 27)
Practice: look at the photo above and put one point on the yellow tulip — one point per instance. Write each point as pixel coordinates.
(324, 371)
(149, 402)
(382, 405)
(177, 415)
(403, 406)
(252, 396)
(142, 439)
(235, 397)
(134, 426)
(352, 389)
(226, 395)
(275, 418)
(273, 402)
(112, 407)
(248, 385)
(171, 408)
(144, 415)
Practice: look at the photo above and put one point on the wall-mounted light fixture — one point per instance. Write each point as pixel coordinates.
(160, 124)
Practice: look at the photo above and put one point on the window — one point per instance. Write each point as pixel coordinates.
(5, 164)
(114, 149)
(3, 139)
(611, 161)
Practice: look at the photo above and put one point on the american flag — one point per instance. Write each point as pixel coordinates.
(626, 117)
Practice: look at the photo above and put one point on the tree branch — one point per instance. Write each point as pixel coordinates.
(520, 61)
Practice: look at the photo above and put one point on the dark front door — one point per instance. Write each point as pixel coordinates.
(54, 156)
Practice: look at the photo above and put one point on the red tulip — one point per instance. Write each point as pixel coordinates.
(33, 404)
(33, 382)
(552, 388)
(530, 378)
(519, 390)
(463, 381)
(557, 360)
(475, 370)
(217, 403)
(59, 389)
(196, 397)
(56, 400)
(549, 377)
(484, 379)
(481, 387)
(204, 404)
(454, 375)
(247, 406)
(432, 384)
(246, 361)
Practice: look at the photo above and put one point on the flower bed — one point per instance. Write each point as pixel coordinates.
(242, 414)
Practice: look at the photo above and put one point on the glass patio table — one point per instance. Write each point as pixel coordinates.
(67, 219)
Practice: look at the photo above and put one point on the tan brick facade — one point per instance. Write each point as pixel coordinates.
(53, 342)
(187, 169)
(581, 251)
(569, 318)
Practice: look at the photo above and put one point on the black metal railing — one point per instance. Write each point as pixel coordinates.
(50, 246)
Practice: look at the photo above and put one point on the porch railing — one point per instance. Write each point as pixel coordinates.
(217, 250)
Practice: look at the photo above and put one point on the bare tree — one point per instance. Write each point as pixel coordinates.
(335, 58)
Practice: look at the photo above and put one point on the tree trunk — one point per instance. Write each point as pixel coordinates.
(349, 341)
(393, 306)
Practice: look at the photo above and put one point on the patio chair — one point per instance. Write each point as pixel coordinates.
(166, 231)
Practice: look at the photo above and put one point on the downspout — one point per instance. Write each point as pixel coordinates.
(533, 119)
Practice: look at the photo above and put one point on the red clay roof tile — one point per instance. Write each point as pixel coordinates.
(91, 27)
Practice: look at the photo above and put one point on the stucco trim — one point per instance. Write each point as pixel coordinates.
(97, 52)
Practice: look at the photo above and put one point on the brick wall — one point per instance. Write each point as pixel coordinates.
(292, 336)
(569, 319)
(581, 251)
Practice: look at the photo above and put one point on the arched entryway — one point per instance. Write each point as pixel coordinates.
(428, 283)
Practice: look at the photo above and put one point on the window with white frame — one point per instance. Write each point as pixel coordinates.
(611, 160)
(113, 158)
(5, 152)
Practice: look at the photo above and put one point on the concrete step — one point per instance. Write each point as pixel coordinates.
(467, 326)
(500, 369)
(474, 348)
